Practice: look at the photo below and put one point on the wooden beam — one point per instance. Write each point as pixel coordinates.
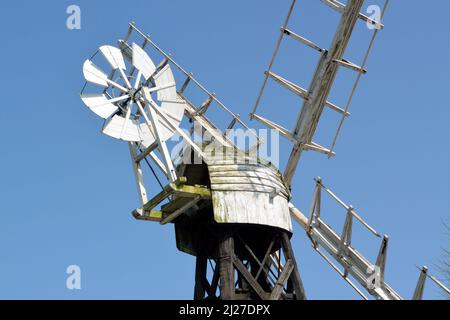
(169, 218)
(295, 277)
(250, 279)
(338, 6)
(279, 285)
(255, 258)
(214, 282)
(178, 188)
(263, 266)
(152, 215)
(200, 277)
(303, 40)
(226, 270)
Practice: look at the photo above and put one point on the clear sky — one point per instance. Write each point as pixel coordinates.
(67, 191)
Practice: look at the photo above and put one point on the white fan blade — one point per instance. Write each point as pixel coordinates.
(165, 79)
(147, 136)
(94, 75)
(114, 57)
(101, 105)
(127, 117)
(174, 110)
(142, 62)
(169, 85)
(114, 129)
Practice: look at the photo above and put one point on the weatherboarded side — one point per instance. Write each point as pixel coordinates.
(247, 190)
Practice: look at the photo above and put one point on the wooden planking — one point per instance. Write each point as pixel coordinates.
(246, 190)
(245, 183)
(251, 208)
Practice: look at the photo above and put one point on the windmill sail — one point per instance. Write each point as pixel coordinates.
(316, 96)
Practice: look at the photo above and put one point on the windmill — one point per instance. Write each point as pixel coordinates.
(231, 208)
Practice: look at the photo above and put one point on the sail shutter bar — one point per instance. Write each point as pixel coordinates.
(302, 92)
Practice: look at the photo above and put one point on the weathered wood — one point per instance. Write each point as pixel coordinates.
(283, 131)
(214, 282)
(318, 148)
(243, 288)
(141, 156)
(320, 88)
(178, 212)
(175, 204)
(303, 40)
(295, 276)
(279, 285)
(299, 217)
(253, 266)
(204, 107)
(186, 196)
(185, 84)
(164, 194)
(152, 215)
(338, 6)
(200, 277)
(226, 270)
(250, 279)
(294, 88)
(255, 258)
(263, 266)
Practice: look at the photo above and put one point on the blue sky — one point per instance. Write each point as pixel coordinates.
(67, 191)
